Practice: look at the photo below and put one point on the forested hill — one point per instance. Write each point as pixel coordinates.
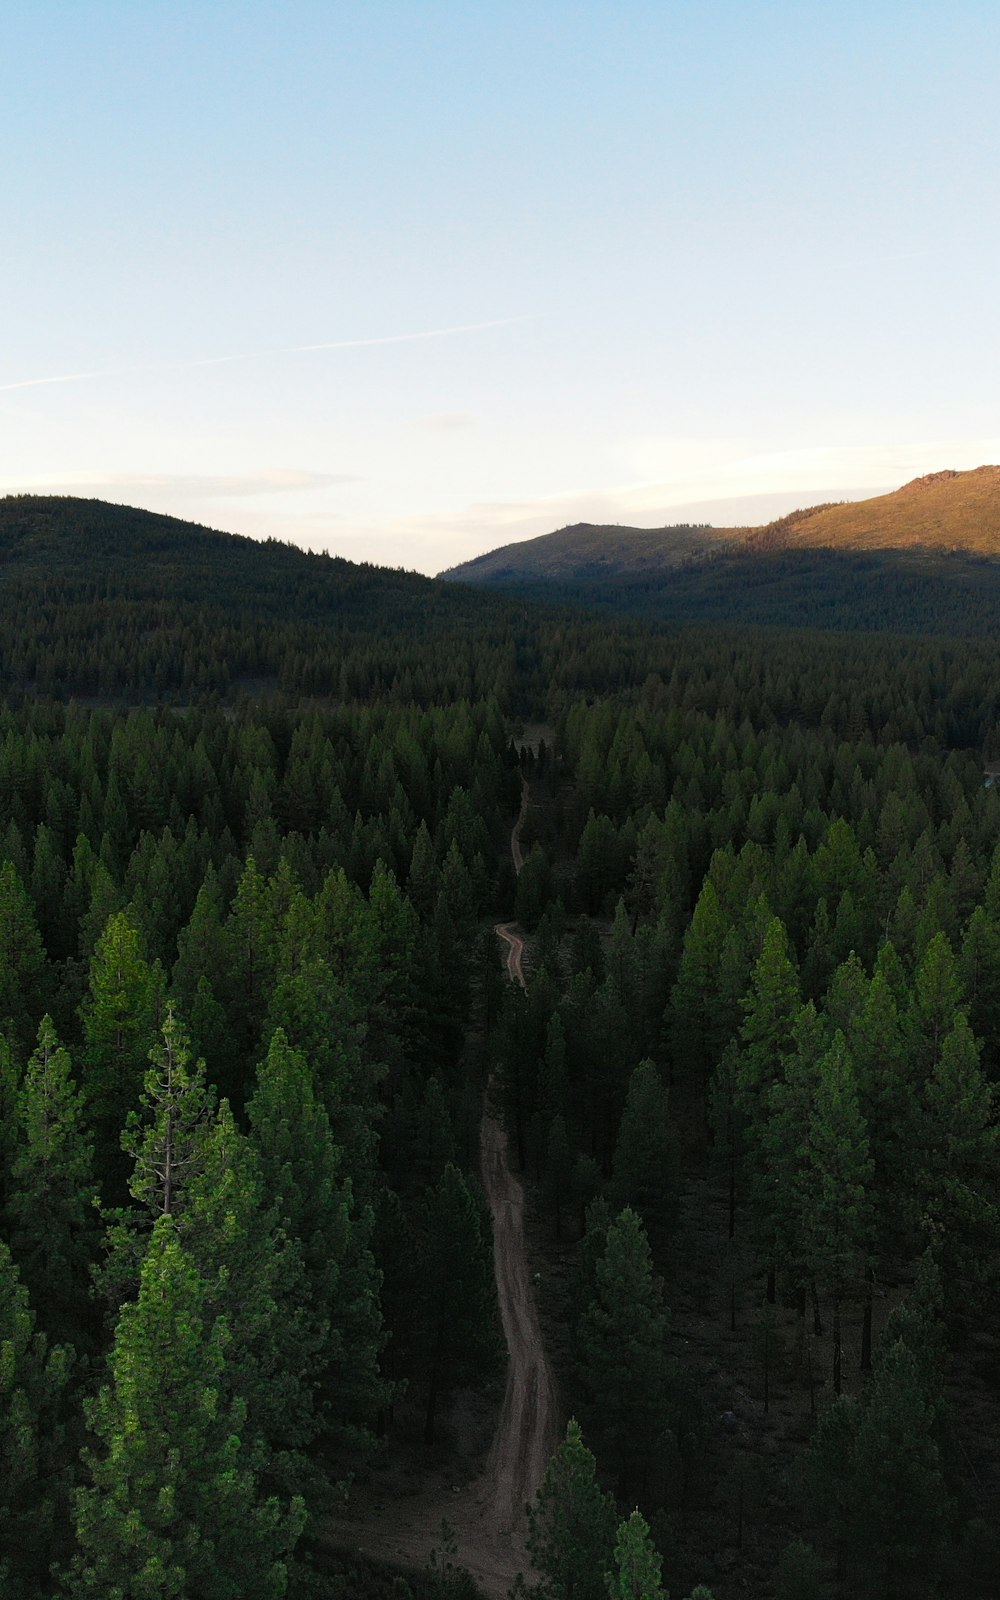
(591, 550)
(950, 594)
(924, 559)
(104, 599)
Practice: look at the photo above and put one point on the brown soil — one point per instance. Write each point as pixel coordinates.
(526, 1431)
(399, 1521)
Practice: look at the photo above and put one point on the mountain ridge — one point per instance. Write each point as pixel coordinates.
(941, 511)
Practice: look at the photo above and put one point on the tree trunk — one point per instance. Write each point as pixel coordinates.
(866, 1328)
(432, 1400)
(817, 1319)
(836, 1341)
(771, 1285)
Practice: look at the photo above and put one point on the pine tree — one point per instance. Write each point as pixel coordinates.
(173, 1507)
(255, 1279)
(626, 1373)
(164, 1141)
(637, 1563)
(694, 1035)
(646, 1164)
(571, 1526)
(955, 1165)
(780, 1178)
(979, 973)
(936, 998)
(772, 1006)
(552, 1076)
(899, 1500)
(321, 1015)
(34, 1458)
(310, 1193)
(558, 1180)
(51, 1206)
(10, 1083)
(121, 1020)
(22, 960)
(251, 932)
(800, 1574)
(837, 1226)
(423, 881)
(456, 1316)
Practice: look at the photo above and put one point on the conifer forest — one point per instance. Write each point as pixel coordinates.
(397, 981)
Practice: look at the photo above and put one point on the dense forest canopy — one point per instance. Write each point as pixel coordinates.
(255, 810)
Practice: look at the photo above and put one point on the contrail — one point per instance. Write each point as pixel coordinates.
(262, 355)
(66, 377)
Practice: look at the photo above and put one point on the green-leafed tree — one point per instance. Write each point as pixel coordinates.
(50, 1209)
(557, 1184)
(173, 1506)
(22, 961)
(121, 1018)
(935, 1000)
(312, 1196)
(254, 1279)
(838, 1219)
(165, 1140)
(979, 973)
(954, 1161)
(252, 936)
(767, 1038)
(646, 1164)
(626, 1372)
(321, 1015)
(35, 1477)
(695, 1038)
(900, 1506)
(636, 1574)
(456, 1315)
(571, 1525)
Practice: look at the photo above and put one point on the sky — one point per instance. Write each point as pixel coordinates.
(407, 281)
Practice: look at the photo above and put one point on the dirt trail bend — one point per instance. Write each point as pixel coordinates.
(517, 854)
(487, 1515)
(527, 1428)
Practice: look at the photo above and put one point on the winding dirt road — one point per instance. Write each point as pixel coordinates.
(528, 1423)
(487, 1517)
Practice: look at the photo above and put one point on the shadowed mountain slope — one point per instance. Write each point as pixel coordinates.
(590, 550)
(924, 559)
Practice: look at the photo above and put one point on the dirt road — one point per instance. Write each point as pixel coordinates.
(527, 1427)
(487, 1516)
(515, 951)
(526, 1430)
(517, 855)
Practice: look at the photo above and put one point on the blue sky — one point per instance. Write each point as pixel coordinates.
(706, 259)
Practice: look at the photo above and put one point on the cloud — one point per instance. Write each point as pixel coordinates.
(446, 421)
(672, 470)
(185, 486)
(724, 482)
(261, 355)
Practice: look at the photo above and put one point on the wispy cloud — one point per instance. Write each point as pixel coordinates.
(64, 377)
(263, 355)
(186, 486)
